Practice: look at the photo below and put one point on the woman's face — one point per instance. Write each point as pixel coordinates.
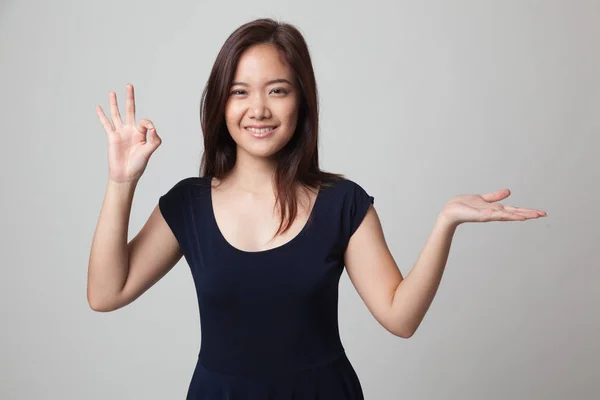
(262, 110)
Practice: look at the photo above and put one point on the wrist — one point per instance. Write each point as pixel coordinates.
(121, 187)
(446, 221)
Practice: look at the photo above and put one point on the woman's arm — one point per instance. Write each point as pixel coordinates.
(120, 272)
(415, 293)
(400, 304)
(397, 303)
(109, 260)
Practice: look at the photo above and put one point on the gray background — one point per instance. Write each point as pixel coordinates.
(421, 101)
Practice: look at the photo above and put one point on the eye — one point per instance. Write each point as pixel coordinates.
(281, 91)
(238, 92)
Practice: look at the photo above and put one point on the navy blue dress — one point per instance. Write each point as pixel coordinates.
(269, 321)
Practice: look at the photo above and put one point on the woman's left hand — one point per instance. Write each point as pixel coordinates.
(482, 208)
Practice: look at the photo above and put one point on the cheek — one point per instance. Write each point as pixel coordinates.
(289, 113)
(233, 114)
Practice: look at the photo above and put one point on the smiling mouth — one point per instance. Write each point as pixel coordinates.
(263, 132)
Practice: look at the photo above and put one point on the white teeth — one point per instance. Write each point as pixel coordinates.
(263, 130)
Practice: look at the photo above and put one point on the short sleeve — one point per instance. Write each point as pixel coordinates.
(172, 207)
(357, 204)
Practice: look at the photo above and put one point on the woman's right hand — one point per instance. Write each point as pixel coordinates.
(129, 146)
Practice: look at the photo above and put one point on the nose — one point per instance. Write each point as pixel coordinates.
(258, 107)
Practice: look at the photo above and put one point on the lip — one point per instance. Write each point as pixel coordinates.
(260, 135)
(259, 126)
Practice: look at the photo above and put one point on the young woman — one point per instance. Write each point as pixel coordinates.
(265, 231)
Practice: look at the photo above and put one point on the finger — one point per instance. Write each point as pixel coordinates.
(526, 214)
(152, 139)
(507, 216)
(108, 127)
(130, 105)
(496, 195)
(526, 210)
(144, 126)
(114, 110)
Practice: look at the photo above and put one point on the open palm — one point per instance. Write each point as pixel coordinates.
(483, 208)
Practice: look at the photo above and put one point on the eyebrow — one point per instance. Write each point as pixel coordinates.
(280, 80)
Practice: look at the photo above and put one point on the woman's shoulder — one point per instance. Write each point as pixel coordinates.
(187, 187)
(342, 186)
(191, 181)
(344, 202)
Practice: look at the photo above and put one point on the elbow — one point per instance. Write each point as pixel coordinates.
(399, 330)
(406, 335)
(102, 301)
(402, 332)
(100, 305)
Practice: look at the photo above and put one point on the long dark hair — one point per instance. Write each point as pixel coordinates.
(298, 161)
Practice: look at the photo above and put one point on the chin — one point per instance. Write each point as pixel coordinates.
(263, 147)
(256, 152)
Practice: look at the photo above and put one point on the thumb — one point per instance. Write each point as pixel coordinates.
(144, 125)
(152, 140)
(496, 195)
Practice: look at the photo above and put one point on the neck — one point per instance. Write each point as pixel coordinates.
(253, 174)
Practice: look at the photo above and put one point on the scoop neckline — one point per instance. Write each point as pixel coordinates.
(283, 246)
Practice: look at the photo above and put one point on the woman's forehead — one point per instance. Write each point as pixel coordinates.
(261, 64)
